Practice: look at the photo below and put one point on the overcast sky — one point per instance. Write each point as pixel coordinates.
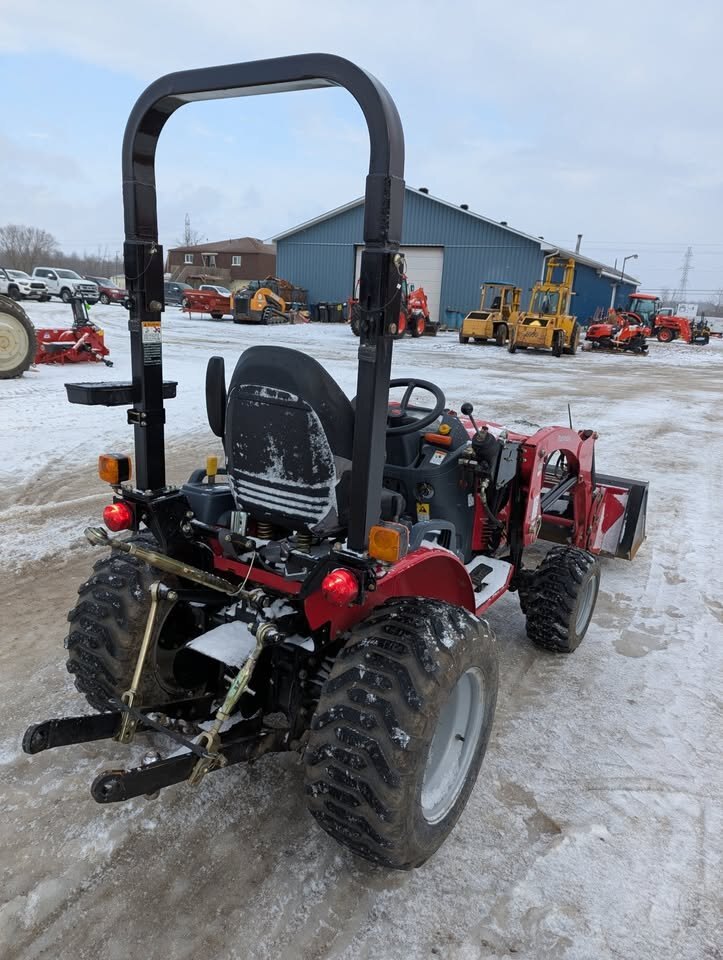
(559, 117)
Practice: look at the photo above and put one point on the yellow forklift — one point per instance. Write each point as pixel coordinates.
(548, 323)
(499, 307)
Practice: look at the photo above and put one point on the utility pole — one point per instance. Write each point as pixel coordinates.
(685, 270)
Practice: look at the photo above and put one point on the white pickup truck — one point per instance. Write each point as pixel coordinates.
(17, 285)
(67, 284)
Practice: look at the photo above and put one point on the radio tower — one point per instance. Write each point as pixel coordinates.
(685, 270)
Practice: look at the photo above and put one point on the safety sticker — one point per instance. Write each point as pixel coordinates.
(437, 457)
(151, 336)
(422, 511)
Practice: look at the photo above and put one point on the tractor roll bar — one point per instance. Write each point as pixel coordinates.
(379, 280)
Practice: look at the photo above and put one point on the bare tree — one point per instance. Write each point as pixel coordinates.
(191, 237)
(23, 248)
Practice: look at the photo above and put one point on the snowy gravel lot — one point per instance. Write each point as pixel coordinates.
(595, 827)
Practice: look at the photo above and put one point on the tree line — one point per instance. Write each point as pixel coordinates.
(23, 248)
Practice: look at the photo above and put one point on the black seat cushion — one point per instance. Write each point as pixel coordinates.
(288, 437)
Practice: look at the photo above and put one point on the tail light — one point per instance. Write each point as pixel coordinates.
(340, 587)
(118, 516)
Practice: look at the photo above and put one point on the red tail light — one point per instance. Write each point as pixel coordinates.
(118, 516)
(340, 587)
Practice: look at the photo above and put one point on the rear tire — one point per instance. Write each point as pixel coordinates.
(387, 770)
(106, 629)
(560, 598)
(571, 350)
(463, 339)
(501, 334)
(355, 322)
(558, 343)
(665, 335)
(18, 343)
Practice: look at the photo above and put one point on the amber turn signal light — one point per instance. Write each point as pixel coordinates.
(114, 468)
(388, 542)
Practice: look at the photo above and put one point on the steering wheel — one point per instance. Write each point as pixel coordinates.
(430, 415)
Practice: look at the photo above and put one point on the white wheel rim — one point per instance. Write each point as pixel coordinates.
(454, 746)
(14, 342)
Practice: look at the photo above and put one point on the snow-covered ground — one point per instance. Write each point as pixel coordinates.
(595, 828)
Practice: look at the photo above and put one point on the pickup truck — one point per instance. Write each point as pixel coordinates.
(67, 284)
(17, 285)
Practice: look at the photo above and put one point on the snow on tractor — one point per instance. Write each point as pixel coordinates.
(324, 591)
(21, 344)
(618, 334)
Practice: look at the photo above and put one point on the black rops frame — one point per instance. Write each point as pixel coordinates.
(379, 281)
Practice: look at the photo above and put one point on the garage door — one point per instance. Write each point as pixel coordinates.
(424, 269)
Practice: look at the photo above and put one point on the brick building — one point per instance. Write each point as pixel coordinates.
(227, 262)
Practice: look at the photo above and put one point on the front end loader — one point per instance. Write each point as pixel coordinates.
(547, 324)
(323, 590)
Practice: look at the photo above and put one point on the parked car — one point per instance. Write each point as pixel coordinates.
(20, 286)
(173, 293)
(110, 292)
(67, 284)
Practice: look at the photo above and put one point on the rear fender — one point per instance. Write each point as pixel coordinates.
(433, 573)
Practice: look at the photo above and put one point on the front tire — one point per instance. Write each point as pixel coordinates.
(501, 334)
(558, 343)
(401, 729)
(104, 299)
(560, 598)
(462, 338)
(65, 295)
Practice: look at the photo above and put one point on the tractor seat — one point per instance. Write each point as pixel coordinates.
(288, 432)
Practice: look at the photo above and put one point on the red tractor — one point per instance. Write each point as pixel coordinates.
(414, 317)
(645, 310)
(617, 334)
(324, 592)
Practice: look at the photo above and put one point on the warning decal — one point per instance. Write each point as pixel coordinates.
(151, 335)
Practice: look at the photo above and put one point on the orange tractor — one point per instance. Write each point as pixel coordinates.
(414, 317)
(646, 311)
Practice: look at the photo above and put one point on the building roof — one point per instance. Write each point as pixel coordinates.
(239, 245)
(546, 247)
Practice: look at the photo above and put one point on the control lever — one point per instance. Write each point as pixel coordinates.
(467, 409)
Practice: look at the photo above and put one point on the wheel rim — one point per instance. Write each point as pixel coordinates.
(585, 606)
(14, 342)
(454, 745)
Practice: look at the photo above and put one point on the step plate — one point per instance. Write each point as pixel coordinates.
(489, 578)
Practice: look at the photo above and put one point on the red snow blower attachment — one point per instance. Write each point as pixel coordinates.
(83, 342)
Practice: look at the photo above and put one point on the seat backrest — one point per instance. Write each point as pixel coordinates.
(288, 436)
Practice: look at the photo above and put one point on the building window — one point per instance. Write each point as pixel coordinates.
(209, 259)
(236, 260)
(188, 258)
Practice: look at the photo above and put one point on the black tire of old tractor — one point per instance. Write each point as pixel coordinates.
(561, 597)
(501, 335)
(558, 343)
(65, 295)
(17, 359)
(104, 299)
(355, 321)
(106, 628)
(373, 728)
(463, 339)
(571, 350)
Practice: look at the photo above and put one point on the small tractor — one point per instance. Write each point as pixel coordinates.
(21, 344)
(414, 317)
(499, 307)
(548, 324)
(260, 305)
(324, 591)
(646, 310)
(617, 334)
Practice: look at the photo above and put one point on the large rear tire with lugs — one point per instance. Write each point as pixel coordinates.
(18, 342)
(560, 597)
(401, 729)
(106, 628)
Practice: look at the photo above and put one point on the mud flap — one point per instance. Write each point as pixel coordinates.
(625, 505)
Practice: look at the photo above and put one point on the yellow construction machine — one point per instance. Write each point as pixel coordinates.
(548, 323)
(499, 307)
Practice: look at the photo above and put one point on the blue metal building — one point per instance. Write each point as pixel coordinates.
(449, 251)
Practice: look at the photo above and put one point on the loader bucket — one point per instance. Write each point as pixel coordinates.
(622, 527)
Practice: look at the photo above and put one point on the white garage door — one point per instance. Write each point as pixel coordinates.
(424, 269)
